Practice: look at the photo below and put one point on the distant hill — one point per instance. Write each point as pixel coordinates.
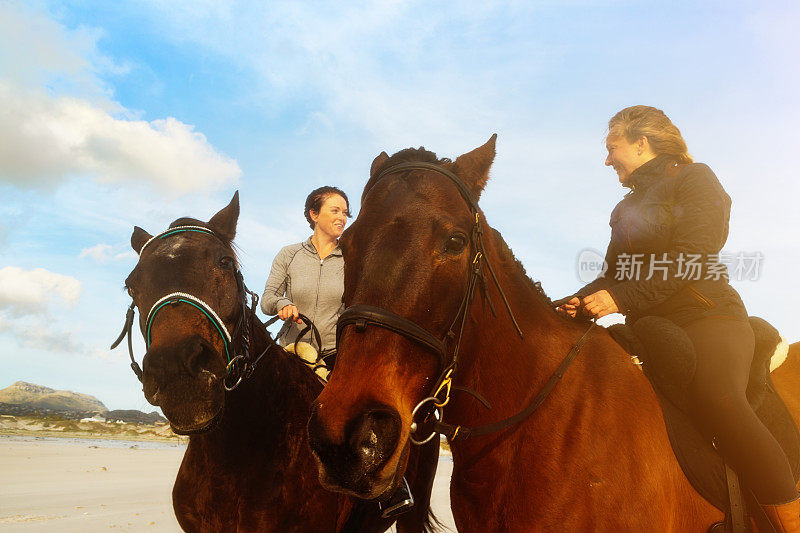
(28, 399)
(33, 396)
(132, 416)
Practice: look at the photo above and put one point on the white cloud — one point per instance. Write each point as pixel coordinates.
(109, 356)
(102, 253)
(40, 334)
(44, 139)
(27, 301)
(37, 51)
(99, 253)
(58, 118)
(29, 292)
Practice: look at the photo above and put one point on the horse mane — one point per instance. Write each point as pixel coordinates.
(403, 156)
(507, 255)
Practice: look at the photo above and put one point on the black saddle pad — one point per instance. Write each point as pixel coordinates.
(702, 465)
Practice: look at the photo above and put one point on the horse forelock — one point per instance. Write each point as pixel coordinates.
(189, 221)
(405, 156)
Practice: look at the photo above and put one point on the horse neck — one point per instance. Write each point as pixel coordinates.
(268, 407)
(496, 361)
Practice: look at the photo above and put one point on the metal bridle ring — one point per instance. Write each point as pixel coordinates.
(228, 373)
(436, 409)
(232, 363)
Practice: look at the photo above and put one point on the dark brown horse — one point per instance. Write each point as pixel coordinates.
(247, 466)
(594, 457)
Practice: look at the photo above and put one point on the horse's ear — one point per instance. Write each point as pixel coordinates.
(473, 167)
(138, 238)
(225, 221)
(377, 162)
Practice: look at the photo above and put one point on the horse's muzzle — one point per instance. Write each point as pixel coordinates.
(352, 461)
(184, 380)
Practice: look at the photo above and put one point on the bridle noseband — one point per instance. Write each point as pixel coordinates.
(361, 316)
(238, 367)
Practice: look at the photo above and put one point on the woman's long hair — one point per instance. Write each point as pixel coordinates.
(640, 121)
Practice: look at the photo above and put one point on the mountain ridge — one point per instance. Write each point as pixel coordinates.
(38, 396)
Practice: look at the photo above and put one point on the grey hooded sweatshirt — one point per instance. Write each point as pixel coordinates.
(299, 277)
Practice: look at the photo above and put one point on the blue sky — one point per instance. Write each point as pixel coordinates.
(121, 113)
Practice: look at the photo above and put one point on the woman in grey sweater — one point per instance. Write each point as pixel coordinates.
(308, 277)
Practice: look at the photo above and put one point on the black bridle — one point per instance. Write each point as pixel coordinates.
(239, 366)
(360, 316)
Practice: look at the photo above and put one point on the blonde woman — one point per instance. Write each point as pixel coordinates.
(677, 213)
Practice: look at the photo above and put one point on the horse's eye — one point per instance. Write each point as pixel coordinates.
(226, 262)
(455, 244)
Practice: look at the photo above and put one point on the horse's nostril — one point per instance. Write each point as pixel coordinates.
(374, 436)
(199, 357)
(151, 391)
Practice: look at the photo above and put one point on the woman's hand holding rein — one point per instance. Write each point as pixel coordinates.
(571, 307)
(596, 305)
(288, 312)
(600, 304)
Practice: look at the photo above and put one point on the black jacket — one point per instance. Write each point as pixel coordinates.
(673, 224)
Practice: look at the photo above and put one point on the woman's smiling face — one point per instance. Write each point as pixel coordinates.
(332, 216)
(623, 156)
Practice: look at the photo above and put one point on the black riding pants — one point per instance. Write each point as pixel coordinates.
(724, 348)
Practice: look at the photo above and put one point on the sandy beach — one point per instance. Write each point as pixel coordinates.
(78, 485)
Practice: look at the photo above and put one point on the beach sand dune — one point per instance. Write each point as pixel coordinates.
(82, 486)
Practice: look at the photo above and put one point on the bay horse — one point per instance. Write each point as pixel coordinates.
(424, 276)
(247, 466)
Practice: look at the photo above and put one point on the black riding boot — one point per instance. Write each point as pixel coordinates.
(400, 502)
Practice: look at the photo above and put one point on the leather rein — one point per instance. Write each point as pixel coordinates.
(360, 316)
(239, 366)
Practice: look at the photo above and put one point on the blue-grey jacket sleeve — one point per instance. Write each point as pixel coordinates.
(702, 210)
(274, 297)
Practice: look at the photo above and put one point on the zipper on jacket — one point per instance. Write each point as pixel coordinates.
(316, 297)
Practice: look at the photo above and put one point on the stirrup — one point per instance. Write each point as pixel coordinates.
(400, 502)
